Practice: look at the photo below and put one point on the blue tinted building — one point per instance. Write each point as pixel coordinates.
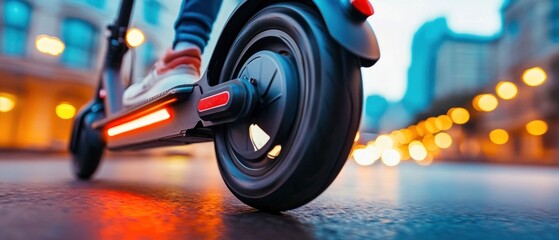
(421, 74)
(446, 64)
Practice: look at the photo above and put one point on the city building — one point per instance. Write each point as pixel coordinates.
(421, 74)
(529, 43)
(446, 68)
(508, 84)
(50, 56)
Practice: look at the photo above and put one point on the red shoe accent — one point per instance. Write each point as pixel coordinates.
(172, 59)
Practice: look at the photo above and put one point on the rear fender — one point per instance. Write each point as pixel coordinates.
(357, 37)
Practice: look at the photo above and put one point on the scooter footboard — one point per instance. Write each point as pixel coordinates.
(165, 120)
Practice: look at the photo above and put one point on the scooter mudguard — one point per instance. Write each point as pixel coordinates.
(356, 36)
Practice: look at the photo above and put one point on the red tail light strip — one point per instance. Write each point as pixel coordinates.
(143, 118)
(143, 121)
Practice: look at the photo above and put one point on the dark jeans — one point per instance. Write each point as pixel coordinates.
(195, 21)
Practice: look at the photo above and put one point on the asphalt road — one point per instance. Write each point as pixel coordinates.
(184, 198)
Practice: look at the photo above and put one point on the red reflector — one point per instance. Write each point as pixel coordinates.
(217, 100)
(143, 121)
(363, 6)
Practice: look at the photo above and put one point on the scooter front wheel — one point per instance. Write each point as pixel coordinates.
(298, 137)
(87, 143)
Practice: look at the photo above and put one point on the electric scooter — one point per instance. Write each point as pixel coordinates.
(281, 98)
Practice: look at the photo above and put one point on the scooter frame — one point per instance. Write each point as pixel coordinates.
(187, 122)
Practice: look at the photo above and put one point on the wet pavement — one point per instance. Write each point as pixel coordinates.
(181, 197)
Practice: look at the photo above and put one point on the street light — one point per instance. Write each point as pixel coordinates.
(443, 140)
(7, 102)
(417, 151)
(444, 122)
(65, 111)
(431, 125)
(134, 37)
(506, 90)
(537, 127)
(459, 115)
(391, 157)
(485, 102)
(429, 143)
(384, 142)
(49, 45)
(534, 76)
(366, 156)
(499, 136)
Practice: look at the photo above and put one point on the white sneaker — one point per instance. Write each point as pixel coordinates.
(174, 69)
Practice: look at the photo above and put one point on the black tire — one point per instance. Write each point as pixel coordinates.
(327, 111)
(89, 148)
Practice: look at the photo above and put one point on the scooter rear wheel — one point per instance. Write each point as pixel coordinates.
(298, 137)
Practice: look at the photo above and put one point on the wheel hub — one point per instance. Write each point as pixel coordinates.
(276, 82)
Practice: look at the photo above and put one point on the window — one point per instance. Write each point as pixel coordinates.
(152, 8)
(80, 38)
(554, 21)
(514, 28)
(96, 3)
(17, 15)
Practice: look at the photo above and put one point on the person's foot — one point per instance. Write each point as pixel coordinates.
(173, 69)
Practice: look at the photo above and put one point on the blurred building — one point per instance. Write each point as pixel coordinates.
(40, 92)
(446, 67)
(421, 74)
(41, 89)
(530, 40)
(522, 125)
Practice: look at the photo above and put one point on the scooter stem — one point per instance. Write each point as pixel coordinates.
(111, 81)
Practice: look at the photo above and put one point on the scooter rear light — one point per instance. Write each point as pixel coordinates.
(214, 101)
(143, 121)
(363, 7)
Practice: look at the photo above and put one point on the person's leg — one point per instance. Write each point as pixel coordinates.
(194, 24)
(181, 64)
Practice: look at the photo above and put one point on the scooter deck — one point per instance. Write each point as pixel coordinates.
(175, 94)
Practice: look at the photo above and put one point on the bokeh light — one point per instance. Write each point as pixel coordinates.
(134, 37)
(443, 140)
(398, 137)
(65, 111)
(7, 102)
(49, 45)
(384, 142)
(499, 136)
(391, 157)
(443, 122)
(459, 115)
(431, 125)
(429, 143)
(417, 151)
(421, 129)
(368, 155)
(485, 102)
(537, 127)
(534, 76)
(408, 135)
(357, 136)
(506, 90)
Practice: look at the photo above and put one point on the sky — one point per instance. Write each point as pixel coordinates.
(395, 22)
